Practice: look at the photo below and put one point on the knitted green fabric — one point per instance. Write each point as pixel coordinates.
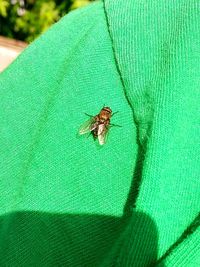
(66, 201)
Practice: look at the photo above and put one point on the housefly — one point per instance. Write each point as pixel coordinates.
(99, 125)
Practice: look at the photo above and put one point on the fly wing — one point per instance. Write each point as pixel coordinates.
(102, 134)
(88, 126)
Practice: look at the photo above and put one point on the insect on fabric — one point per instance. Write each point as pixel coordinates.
(99, 125)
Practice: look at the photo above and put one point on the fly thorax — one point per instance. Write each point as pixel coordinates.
(102, 120)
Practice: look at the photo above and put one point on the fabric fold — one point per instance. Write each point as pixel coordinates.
(156, 44)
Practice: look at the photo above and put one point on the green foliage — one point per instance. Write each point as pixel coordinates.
(4, 4)
(26, 20)
(78, 3)
(37, 20)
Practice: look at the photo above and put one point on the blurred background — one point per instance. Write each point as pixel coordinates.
(21, 21)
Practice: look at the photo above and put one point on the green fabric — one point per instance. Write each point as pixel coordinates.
(66, 201)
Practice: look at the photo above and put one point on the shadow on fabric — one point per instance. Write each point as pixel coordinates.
(32, 238)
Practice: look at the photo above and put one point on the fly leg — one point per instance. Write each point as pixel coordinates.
(115, 125)
(114, 113)
(89, 115)
(89, 134)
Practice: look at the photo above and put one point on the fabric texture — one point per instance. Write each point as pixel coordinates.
(65, 200)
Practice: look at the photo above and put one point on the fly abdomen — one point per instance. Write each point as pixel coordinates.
(95, 132)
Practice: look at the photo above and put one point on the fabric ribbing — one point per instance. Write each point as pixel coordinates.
(156, 44)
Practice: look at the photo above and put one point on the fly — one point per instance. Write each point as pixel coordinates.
(99, 125)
